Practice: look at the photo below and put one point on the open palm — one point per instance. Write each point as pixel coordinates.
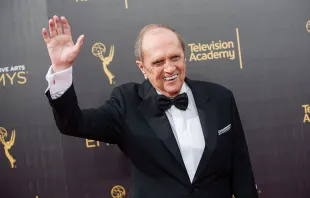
(61, 49)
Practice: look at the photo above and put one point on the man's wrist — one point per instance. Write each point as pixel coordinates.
(59, 68)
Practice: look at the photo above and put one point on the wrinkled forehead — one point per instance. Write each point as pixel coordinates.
(159, 40)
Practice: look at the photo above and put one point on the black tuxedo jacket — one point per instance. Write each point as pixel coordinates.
(132, 120)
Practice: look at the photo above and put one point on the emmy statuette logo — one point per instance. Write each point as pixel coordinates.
(99, 50)
(8, 144)
(308, 26)
(126, 4)
(118, 192)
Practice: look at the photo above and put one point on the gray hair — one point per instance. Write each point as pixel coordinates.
(138, 46)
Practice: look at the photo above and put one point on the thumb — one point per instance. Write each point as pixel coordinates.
(79, 43)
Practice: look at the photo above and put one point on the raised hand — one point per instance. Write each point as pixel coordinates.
(61, 48)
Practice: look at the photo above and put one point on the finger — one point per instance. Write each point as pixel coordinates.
(65, 26)
(45, 36)
(57, 25)
(79, 43)
(53, 32)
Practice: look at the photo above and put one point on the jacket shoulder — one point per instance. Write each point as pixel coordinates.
(126, 90)
(215, 90)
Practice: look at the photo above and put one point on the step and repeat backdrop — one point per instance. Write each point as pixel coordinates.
(258, 49)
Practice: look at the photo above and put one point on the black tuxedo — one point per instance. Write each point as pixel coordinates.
(132, 120)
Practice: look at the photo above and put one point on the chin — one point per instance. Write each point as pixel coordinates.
(173, 89)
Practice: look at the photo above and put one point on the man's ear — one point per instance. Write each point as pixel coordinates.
(141, 67)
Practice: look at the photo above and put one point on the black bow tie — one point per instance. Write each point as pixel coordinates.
(180, 102)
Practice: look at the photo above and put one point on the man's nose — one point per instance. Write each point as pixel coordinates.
(169, 68)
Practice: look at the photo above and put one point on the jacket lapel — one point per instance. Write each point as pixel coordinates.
(159, 122)
(208, 118)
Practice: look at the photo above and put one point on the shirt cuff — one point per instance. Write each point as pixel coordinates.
(59, 82)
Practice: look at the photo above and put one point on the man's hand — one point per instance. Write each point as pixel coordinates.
(61, 48)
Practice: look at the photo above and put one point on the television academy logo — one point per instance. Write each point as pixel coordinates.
(11, 75)
(216, 50)
(306, 108)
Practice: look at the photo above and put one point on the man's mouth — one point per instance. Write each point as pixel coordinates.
(170, 78)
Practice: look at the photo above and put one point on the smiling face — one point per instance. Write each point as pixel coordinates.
(163, 61)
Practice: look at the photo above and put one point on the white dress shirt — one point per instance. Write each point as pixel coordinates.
(59, 82)
(185, 125)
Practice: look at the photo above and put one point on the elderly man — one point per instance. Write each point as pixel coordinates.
(183, 137)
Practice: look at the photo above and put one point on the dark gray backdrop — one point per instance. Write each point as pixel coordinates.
(270, 89)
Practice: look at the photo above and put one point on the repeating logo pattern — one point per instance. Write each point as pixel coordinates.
(12, 75)
(306, 108)
(216, 50)
(99, 50)
(118, 192)
(8, 143)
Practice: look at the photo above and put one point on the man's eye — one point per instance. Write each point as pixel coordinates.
(158, 63)
(175, 58)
